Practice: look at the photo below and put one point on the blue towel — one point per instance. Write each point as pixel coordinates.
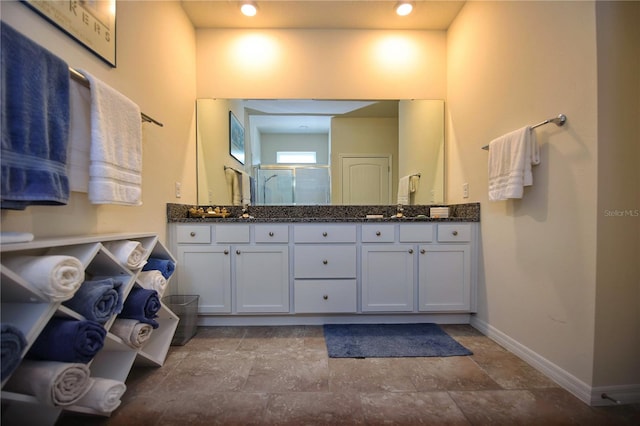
(142, 305)
(97, 300)
(35, 124)
(68, 340)
(13, 343)
(165, 266)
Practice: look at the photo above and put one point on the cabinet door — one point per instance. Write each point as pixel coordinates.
(387, 278)
(262, 278)
(444, 278)
(206, 271)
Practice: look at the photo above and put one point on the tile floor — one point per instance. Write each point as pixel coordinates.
(283, 376)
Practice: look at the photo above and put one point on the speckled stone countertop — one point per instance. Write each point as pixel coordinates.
(179, 213)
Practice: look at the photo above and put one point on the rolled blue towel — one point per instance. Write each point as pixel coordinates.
(142, 305)
(97, 300)
(13, 343)
(165, 266)
(68, 340)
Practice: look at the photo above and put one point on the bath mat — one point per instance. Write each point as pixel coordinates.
(390, 341)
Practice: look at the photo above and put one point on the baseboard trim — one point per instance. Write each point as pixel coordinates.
(625, 394)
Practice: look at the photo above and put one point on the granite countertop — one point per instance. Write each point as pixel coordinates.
(470, 212)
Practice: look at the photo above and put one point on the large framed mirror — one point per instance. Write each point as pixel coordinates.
(314, 152)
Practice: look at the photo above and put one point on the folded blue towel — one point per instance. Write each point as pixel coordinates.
(97, 300)
(35, 124)
(142, 305)
(68, 340)
(165, 266)
(13, 343)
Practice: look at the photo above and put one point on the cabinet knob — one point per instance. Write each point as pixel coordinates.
(324, 234)
(455, 233)
(378, 233)
(193, 234)
(271, 233)
(325, 297)
(237, 251)
(325, 261)
(226, 252)
(410, 251)
(422, 251)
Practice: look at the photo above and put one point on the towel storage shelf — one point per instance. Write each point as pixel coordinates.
(27, 308)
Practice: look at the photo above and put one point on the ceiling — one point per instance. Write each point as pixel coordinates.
(323, 14)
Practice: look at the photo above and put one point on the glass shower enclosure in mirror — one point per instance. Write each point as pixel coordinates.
(310, 152)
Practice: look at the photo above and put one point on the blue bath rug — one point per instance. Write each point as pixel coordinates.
(390, 341)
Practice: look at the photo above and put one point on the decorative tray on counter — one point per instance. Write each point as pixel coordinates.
(210, 212)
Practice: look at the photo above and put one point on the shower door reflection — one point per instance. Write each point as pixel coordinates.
(293, 185)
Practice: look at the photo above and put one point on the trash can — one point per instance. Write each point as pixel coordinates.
(185, 306)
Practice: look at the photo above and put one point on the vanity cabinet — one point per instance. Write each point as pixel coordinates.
(388, 278)
(262, 278)
(205, 270)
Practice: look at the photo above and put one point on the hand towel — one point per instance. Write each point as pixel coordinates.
(246, 189)
(130, 253)
(68, 340)
(115, 170)
(234, 185)
(414, 181)
(510, 159)
(103, 395)
(153, 280)
(142, 305)
(35, 124)
(97, 300)
(403, 190)
(13, 343)
(56, 276)
(165, 266)
(8, 237)
(131, 331)
(78, 152)
(52, 383)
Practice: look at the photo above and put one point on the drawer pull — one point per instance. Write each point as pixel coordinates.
(271, 233)
(455, 233)
(410, 251)
(226, 252)
(324, 234)
(325, 261)
(237, 251)
(378, 233)
(325, 297)
(423, 251)
(193, 234)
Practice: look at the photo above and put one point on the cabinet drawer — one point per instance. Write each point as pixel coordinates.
(316, 261)
(422, 233)
(194, 234)
(460, 232)
(325, 296)
(324, 233)
(232, 233)
(272, 233)
(378, 233)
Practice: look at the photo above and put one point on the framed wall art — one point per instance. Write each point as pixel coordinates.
(92, 23)
(236, 138)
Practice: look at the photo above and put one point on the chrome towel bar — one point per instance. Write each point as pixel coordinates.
(558, 121)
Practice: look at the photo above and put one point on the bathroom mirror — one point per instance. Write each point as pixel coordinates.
(307, 152)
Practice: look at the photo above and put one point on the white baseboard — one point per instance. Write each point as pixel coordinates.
(625, 394)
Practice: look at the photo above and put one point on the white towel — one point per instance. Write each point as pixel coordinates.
(403, 190)
(131, 331)
(510, 159)
(52, 383)
(115, 170)
(153, 280)
(104, 395)
(233, 183)
(414, 181)
(131, 253)
(78, 151)
(56, 276)
(246, 189)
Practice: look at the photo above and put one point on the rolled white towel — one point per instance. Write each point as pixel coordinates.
(153, 280)
(104, 395)
(52, 383)
(132, 332)
(131, 253)
(56, 276)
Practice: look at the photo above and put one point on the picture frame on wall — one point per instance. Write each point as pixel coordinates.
(236, 138)
(91, 23)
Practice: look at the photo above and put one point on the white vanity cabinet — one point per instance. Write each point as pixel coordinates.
(262, 278)
(388, 278)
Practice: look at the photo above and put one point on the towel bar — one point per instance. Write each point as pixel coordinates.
(83, 80)
(558, 121)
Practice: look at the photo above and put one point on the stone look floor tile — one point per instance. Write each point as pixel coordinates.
(314, 408)
(450, 373)
(371, 375)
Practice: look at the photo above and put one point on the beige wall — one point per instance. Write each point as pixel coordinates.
(156, 69)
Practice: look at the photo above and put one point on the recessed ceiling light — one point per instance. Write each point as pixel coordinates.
(249, 8)
(404, 8)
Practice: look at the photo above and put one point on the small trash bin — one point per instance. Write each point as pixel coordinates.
(185, 306)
